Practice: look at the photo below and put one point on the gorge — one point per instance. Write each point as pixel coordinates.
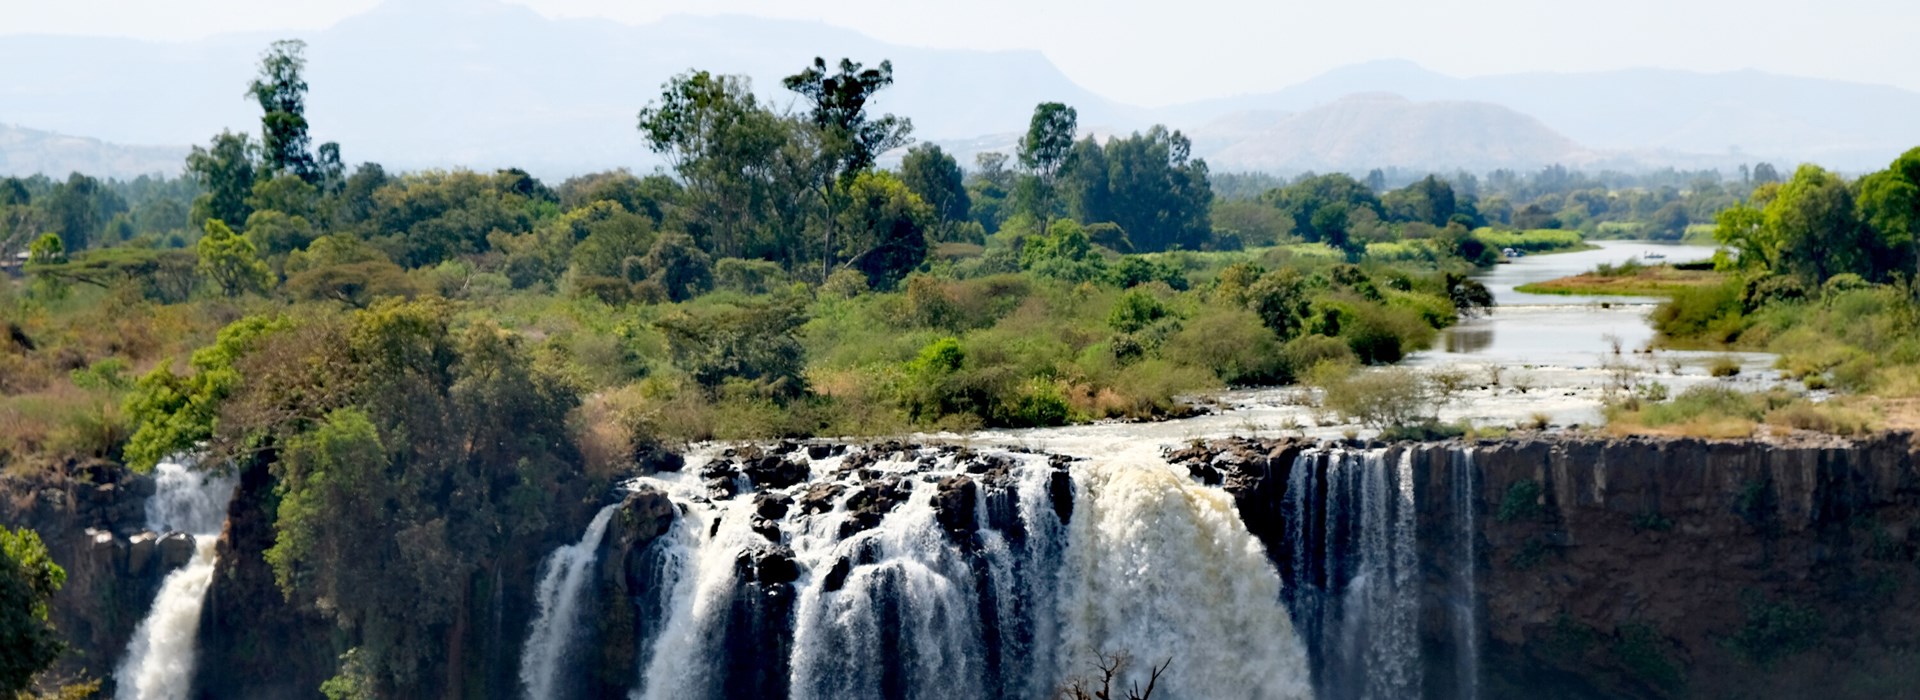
(1574, 566)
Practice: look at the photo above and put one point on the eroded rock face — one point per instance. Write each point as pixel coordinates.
(632, 605)
(90, 514)
(1648, 567)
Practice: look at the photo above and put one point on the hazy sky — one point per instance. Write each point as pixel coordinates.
(1154, 52)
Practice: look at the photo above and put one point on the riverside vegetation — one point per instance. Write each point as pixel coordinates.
(445, 354)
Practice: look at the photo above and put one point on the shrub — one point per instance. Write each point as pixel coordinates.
(1378, 398)
(1724, 366)
(1233, 344)
(1640, 648)
(1302, 354)
(1135, 310)
(1039, 404)
(1708, 313)
(1775, 630)
(1522, 502)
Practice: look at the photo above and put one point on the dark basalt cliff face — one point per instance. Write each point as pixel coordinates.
(1646, 567)
(93, 521)
(1545, 566)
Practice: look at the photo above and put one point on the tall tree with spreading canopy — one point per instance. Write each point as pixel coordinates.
(936, 178)
(725, 147)
(1044, 150)
(849, 139)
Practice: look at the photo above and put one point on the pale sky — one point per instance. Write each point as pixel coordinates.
(1168, 51)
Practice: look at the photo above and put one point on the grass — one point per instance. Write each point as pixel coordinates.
(1718, 412)
(1629, 279)
(1534, 241)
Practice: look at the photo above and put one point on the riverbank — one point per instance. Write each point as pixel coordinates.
(1635, 281)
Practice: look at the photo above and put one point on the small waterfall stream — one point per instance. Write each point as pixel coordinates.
(562, 587)
(159, 660)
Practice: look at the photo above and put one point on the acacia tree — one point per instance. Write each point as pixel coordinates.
(849, 140)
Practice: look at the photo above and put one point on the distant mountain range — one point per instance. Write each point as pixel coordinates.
(28, 151)
(483, 83)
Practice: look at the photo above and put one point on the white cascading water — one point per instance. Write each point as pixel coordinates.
(1164, 569)
(159, 660)
(557, 625)
(1466, 619)
(1151, 564)
(1355, 571)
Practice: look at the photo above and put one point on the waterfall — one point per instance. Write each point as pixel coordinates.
(1466, 610)
(980, 575)
(159, 660)
(1353, 571)
(1162, 568)
(557, 626)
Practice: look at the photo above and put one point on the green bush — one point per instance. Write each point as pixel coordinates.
(1302, 354)
(1233, 344)
(1522, 502)
(1136, 310)
(1708, 313)
(1776, 629)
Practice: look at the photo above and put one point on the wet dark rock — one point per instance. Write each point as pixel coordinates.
(860, 554)
(776, 472)
(766, 564)
(870, 504)
(1060, 489)
(719, 477)
(772, 505)
(819, 497)
(954, 505)
(140, 552)
(643, 516)
(175, 549)
(818, 451)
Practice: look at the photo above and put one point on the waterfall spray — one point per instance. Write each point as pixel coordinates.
(159, 660)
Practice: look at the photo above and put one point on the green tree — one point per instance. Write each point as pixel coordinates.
(755, 346)
(1157, 192)
(935, 177)
(28, 579)
(1321, 205)
(1889, 204)
(678, 266)
(848, 139)
(726, 148)
(80, 209)
(885, 225)
(281, 90)
(225, 170)
(1818, 231)
(1043, 152)
(228, 260)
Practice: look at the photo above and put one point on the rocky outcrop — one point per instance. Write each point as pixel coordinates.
(634, 578)
(92, 517)
(1649, 567)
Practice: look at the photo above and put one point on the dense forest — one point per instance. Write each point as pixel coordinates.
(422, 361)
